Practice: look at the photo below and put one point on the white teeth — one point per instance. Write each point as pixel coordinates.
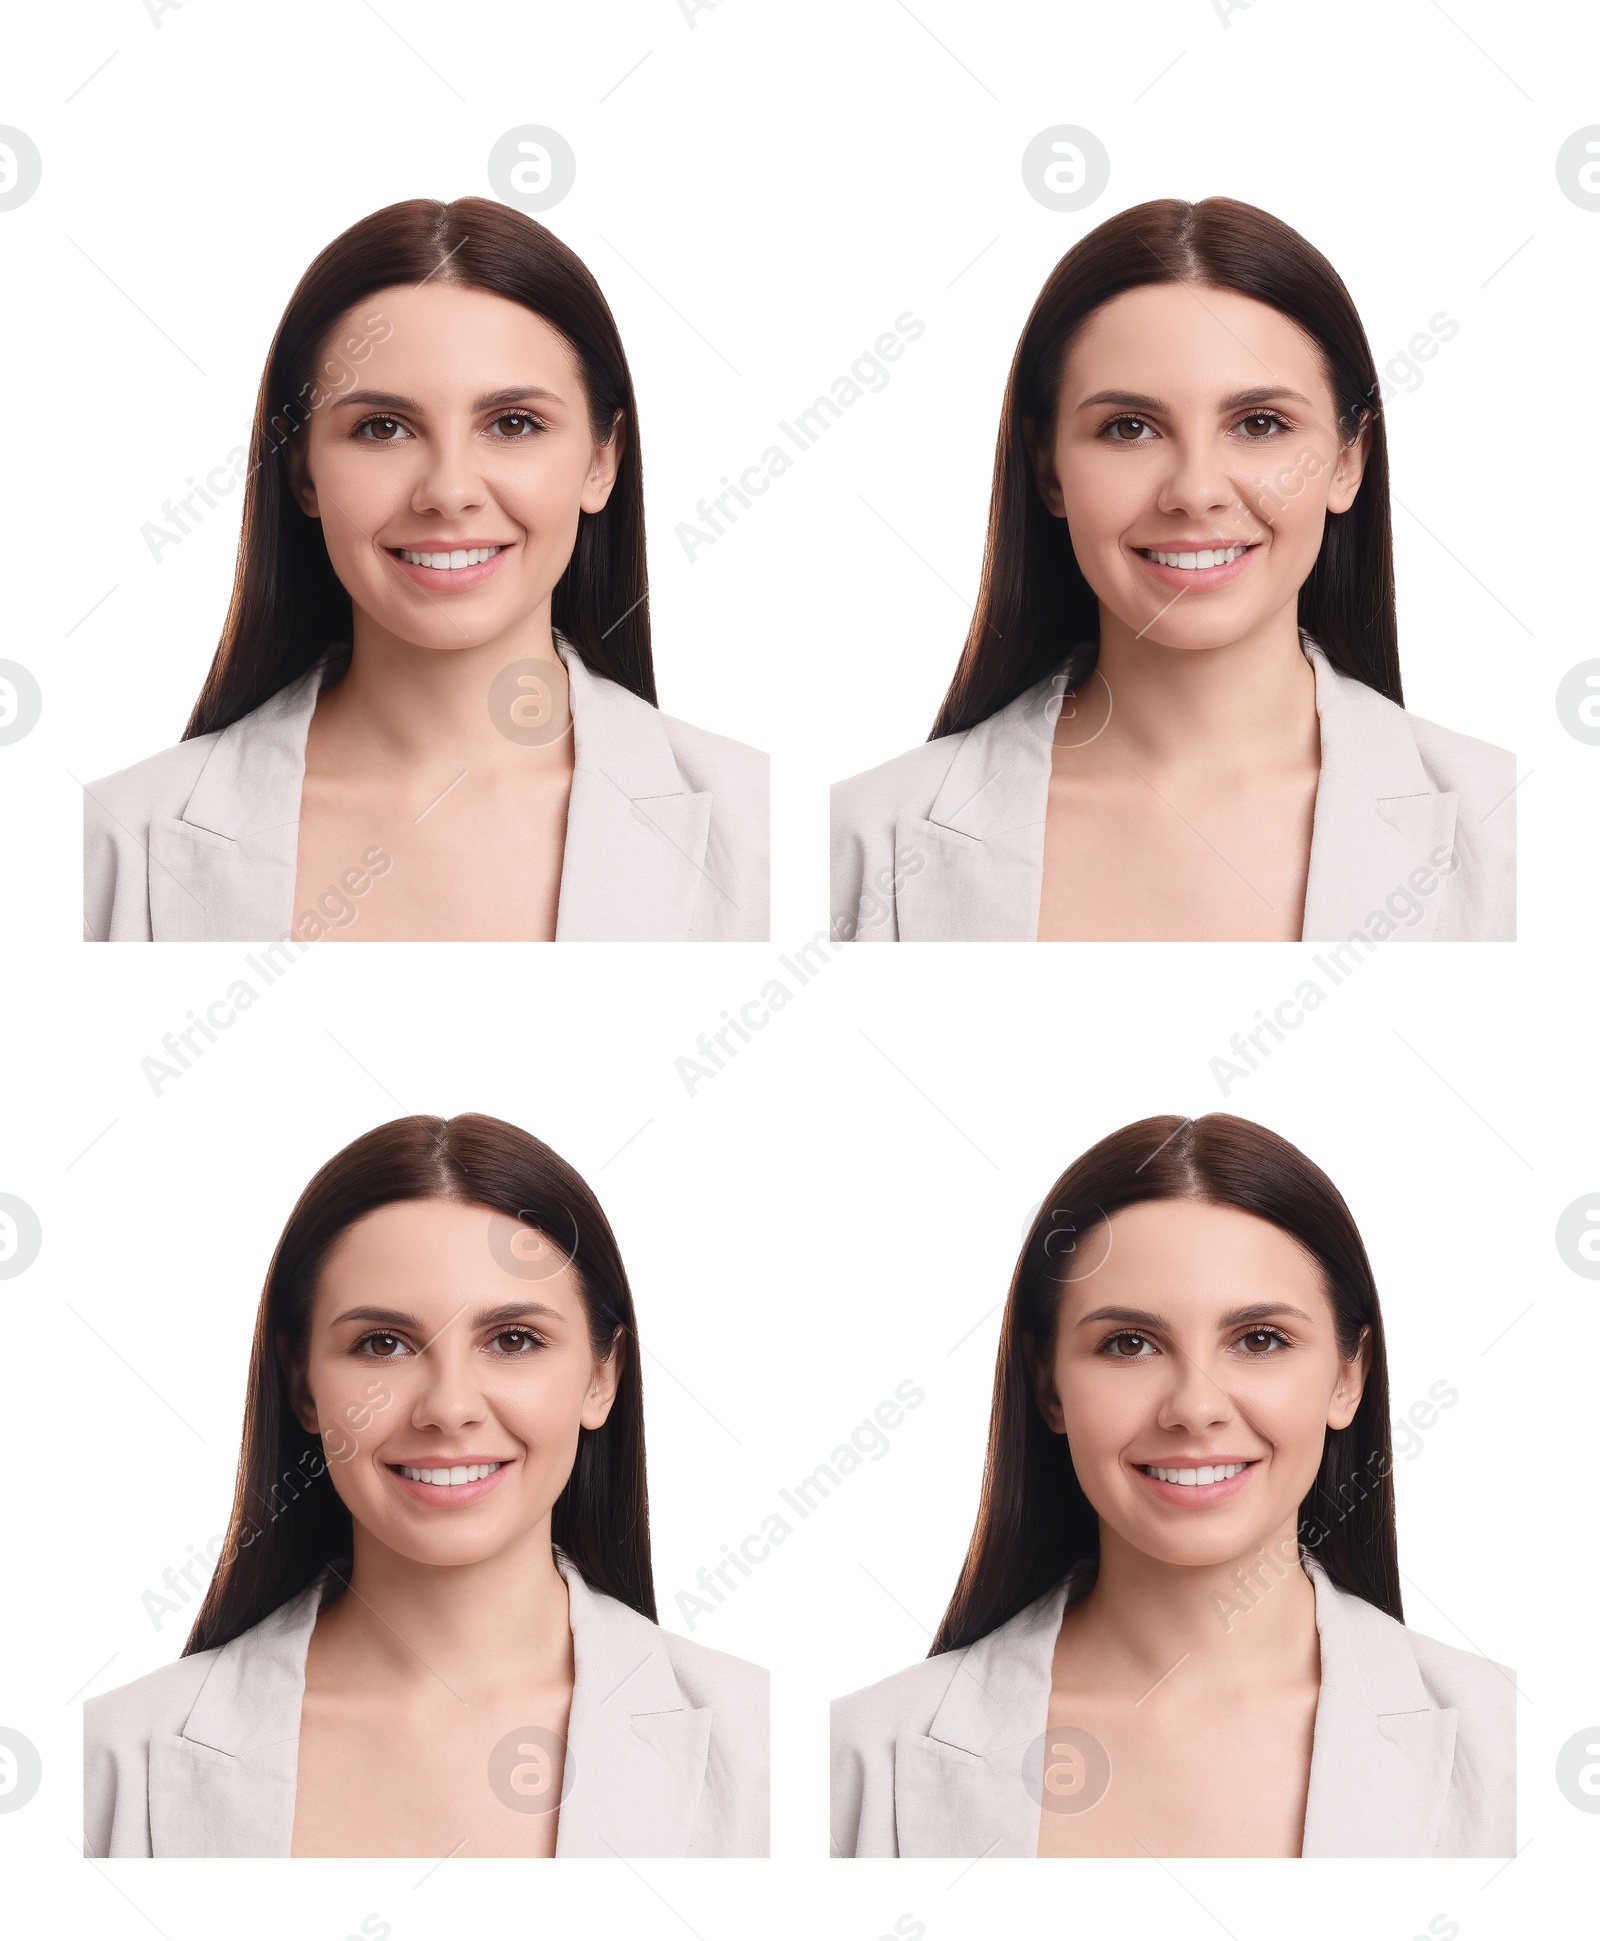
(1195, 562)
(450, 562)
(1207, 1473)
(471, 1472)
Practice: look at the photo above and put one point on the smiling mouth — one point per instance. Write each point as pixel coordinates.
(1194, 562)
(452, 1478)
(448, 562)
(1194, 1478)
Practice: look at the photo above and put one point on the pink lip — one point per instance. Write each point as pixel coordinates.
(444, 579)
(460, 1496)
(1194, 579)
(1197, 1496)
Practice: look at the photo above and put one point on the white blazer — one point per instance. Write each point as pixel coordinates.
(666, 829)
(667, 1741)
(1414, 1753)
(946, 843)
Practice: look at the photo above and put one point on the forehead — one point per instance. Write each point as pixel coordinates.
(1188, 339)
(429, 1257)
(443, 338)
(1189, 1258)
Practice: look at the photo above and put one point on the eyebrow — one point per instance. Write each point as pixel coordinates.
(1134, 1317)
(1237, 401)
(488, 1317)
(490, 401)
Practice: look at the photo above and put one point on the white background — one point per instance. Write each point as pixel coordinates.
(760, 194)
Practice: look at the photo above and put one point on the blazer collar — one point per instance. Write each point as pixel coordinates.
(224, 1787)
(982, 841)
(1381, 1756)
(1377, 818)
(633, 863)
(636, 1749)
(962, 1788)
(1382, 1751)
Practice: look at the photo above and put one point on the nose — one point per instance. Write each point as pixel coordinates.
(450, 477)
(448, 1395)
(1198, 482)
(1195, 1398)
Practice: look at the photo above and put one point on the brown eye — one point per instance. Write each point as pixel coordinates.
(1260, 1341)
(373, 428)
(1259, 424)
(1127, 1347)
(382, 1347)
(1128, 431)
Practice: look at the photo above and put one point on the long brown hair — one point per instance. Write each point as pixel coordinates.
(1034, 1521)
(288, 1520)
(1035, 609)
(288, 607)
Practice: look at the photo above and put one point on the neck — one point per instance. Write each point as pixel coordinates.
(470, 1628)
(1250, 703)
(1232, 1624)
(401, 704)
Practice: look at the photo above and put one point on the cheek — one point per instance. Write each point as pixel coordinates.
(1105, 1409)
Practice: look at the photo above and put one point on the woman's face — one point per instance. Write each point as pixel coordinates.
(1195, 461)
(466, 428)
(448, 1372)
(1195, 1338)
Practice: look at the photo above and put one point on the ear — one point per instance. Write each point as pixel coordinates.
(1351, 1385)
(602, 1390)
(1043, 1373)
(1043, 459)
(297, 456)
(1350, 468)
(603, 471)
(300, 1399)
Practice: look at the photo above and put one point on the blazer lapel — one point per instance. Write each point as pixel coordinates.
(224, 870)
(1378, 818)
(636, 1750)
(1382, 1751)
(224, 1787)
(968, 1787)
(634, 865)
(982, 842)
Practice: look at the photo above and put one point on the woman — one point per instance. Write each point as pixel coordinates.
(432, 1628)
(433, 713)
(1178, 1627)
(1177, 715)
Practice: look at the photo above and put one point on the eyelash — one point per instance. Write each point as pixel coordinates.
(388, 418)
(530, 1335)
(1279, 424)
(1279, 1339)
